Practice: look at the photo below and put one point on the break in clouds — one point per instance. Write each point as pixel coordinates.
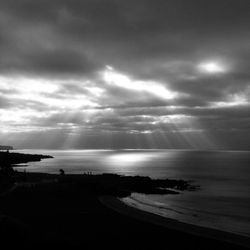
(125, 74)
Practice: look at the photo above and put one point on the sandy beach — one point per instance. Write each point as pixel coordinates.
(121, 207)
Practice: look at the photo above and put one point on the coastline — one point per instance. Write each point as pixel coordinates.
(121, 207)
(78, 211)
(95, 197)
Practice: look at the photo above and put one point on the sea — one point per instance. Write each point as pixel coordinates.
(222, 200)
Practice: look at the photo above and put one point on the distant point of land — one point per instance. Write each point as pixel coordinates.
(18, 158)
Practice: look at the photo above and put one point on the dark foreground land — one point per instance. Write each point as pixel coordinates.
(44, 211)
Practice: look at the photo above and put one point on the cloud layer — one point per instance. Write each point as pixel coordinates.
(125, 74)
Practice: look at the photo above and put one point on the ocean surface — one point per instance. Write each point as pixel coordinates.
(222, 202)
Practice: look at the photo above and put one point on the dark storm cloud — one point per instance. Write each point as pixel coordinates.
(115, 31)
(163, 41)
(55, 62)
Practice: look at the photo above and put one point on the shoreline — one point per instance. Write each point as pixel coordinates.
(121, 207)
(58, 210)
(156, 209)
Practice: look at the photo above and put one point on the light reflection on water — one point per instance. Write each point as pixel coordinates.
(139, 162)
(127, 159)
(130, 159)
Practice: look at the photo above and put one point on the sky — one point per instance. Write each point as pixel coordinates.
(125, 74)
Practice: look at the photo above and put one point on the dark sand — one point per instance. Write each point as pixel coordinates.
(55, 215)
(209, 233)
